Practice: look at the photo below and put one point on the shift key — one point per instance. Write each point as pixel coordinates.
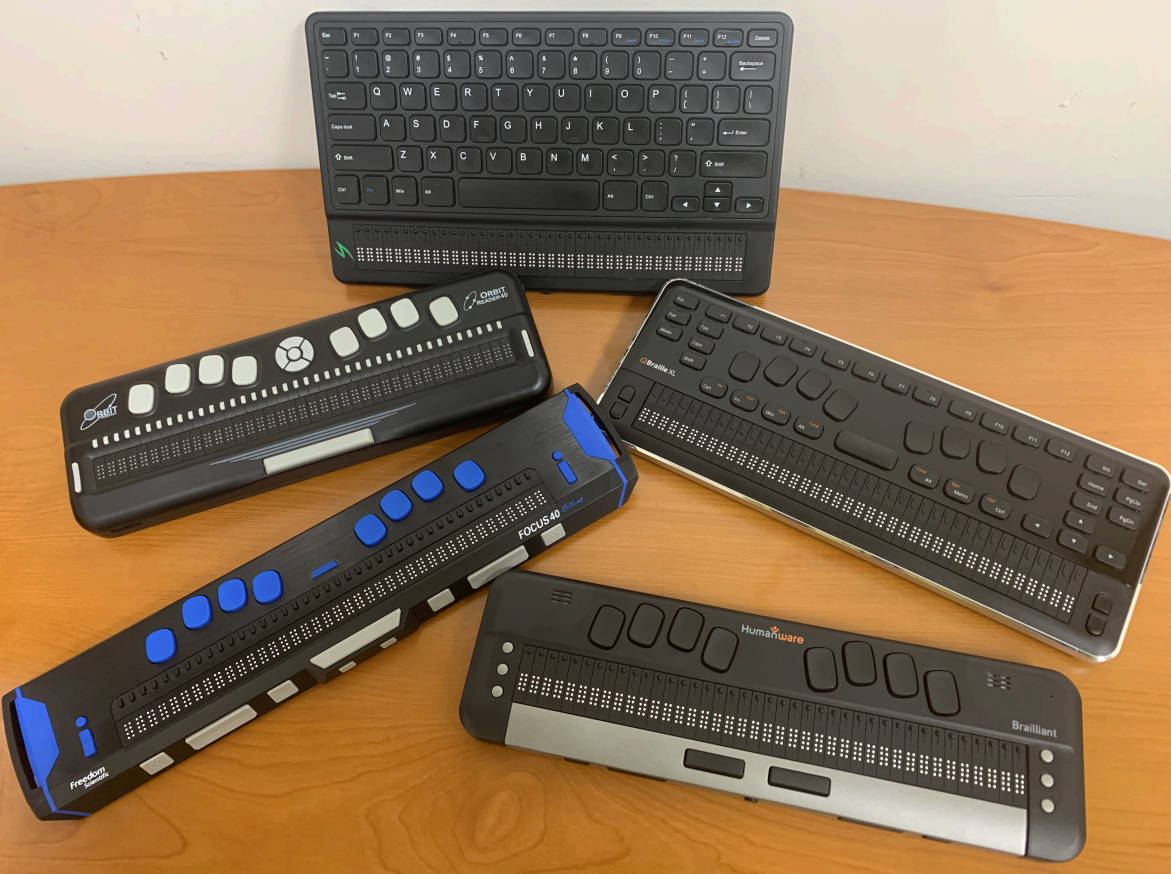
(353, 127)
(362, 157)
(739, 165)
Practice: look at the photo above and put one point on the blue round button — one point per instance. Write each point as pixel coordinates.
(267, 586)
(160, 645)
(556, 456)
(370, 530)
(396, 505)
(469, 476)
(81, 721)
(232, 595)
(197, 611)
(427, 486)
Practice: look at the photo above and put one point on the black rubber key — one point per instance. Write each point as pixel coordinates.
(1024, 482)
(780, 370)
(839, 405)
(743, 366)
(918, 438)
(813, 384)
(955, 442)
(991, 457)
(528, 194)
(857, 446)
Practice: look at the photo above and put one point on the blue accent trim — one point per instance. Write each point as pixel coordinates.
(590, 437)
(267, 587)
(567, 472)
(81, 721)
(87, 743)
(324, 569)
(40, 744)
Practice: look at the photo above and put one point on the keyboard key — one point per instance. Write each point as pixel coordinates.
(700, 344)
(366, 64)
(428, 36)
(1072, 540)
(762, 38)
(660, 36)
(1094, 484)
(927, 396)
(685, 204)
(331, 36)
(1110, 557)
(678, 317)
(711, 65)
(717, 204)
(994, 422)
(647, 65)
(1103, 603)
(753, 66)
(745, 324)
(493, 36)
(437, 191)
(865, 372)
(1080, 521)
(626, 36)
(1132, 500)
(593, 36)
(559, 36)
(1089, 503)
(924, 476)
(617, 195)
(743, 367)
(991, 457)
(802, 347)
(1027, 437)
(962, 410)
(918, 438)
(1122, 518)
(710, 329)
(1095, 625)
(345, 95)
(728, 37)
(745, 400)
(335, 64)
(834, 360)
(813, 384)
(461, 36)
(955, 442)
(959, 491)
(772, 335)
(1136, 480)
(714, 387)
(693, 37)
(692, 360)
(780, 370)
(776, 414)
(346, 190)
(743, 132)
(351, 127)
(679, 65)
(807, 427)
(720, 314)
(396, 36)
(1101, 464)
(526, 36)
(542, 194)
(1024, 482)
(898, 384)
(1036, 525)
(996, 507)
(758, 99)
(671, 332)
(857, 446)
(726, 99)
(1061, 450)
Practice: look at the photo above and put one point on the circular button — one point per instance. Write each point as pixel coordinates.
(267, 586)
(502, 669)
(160, 645)
(507, 647)
(1046, 805)
(1046, 756)
(1047, 781)
(497, 691)
(81, 722)
(294, 354)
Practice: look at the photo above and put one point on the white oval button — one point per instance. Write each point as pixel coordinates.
(404, 313)
(211, 369)
(141, 399)
(178, 379)
(372, 323)
(344, 342)
(443, 311)
(244, 370)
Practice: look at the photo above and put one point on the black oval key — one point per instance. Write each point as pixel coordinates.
(839, 405)
(780, 370)
(743, 366)
(1024, 482)
(857, 446)
(955, 442)
(918, 438)
(813, 384)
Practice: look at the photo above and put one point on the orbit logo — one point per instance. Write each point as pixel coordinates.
(103, 410)
(480, 298)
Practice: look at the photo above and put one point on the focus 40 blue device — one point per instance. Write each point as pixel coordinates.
(114, 716)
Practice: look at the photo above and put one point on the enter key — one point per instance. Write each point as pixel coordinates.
(743, 132)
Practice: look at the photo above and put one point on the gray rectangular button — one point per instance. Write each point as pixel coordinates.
(799, 781)
(357, 640)
(317, 451)
(494, 569)
(220, 727)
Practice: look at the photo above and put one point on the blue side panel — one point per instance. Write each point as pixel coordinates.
(40, 744)
(585, 430)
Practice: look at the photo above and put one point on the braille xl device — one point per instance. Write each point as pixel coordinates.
(582, 150)
(1039, 527)
(113, 717)
(942, 744)
(245, 418)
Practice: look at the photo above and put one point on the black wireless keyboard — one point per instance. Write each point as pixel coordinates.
(579, 150)
(114, 716)
(245, 418)
(1034, 525)
(937, 743)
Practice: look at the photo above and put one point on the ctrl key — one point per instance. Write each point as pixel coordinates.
(345, 189)
(714, 387)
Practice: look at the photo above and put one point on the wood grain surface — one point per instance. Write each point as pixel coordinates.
(374, 772)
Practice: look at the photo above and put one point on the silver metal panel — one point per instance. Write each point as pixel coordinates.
(357, 640)
(318, 451)
(495, 568)
(224, 725)
(853, 796)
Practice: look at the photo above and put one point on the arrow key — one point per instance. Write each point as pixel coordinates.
(717, 189)
(717, 204)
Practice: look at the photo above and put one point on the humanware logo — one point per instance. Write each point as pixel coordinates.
(775, 633)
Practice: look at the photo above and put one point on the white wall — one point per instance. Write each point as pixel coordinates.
(1049, 108)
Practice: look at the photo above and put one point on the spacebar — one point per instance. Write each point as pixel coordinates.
(528, 194)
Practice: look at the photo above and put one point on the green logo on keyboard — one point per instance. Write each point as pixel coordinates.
(343, 251)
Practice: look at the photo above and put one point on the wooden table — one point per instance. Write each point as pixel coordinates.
(374, 772)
